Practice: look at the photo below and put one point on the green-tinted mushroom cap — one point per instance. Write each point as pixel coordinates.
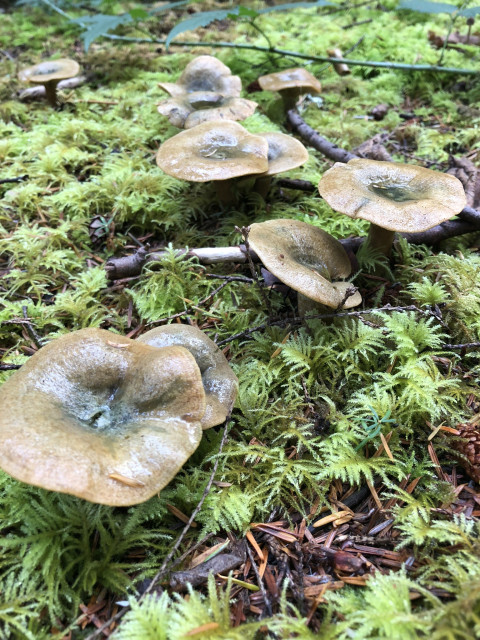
(219, 381)
(217, 150)
(306, 259)
(299, 80)
(204, 73)
(101, 417)
(192, 109)
(391, 195)
(284, 153)
(50, 70)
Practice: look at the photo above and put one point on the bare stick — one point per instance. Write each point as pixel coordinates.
(37, 340)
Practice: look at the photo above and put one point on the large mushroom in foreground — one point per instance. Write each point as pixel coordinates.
(392, 196)
(219, 381)
(49, 73)
(308, 260)
(101, 417)
(218, 151)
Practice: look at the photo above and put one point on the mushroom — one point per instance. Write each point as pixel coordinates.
(307, 259)
(284, 154)
(291, 84)
(191, 109)
(392, 197)
(204, 73)
(218, 151)
(49, 73)
(219, 381)
(102, 417)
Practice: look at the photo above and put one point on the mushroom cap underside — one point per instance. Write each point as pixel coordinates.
(217, 150)
(305, 258)
(204, 73)
(194, 108)
(49, 70)
(284, 152)
(394, 196)
(219, 381)
(101, 417)
(297, 78)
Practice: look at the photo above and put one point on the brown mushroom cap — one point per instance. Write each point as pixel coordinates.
(305, 258)
(391, 195)
(192, 109)
(284, 152)
(101, 417)
(298, 78)
(49, 70)
(204, 73)
(219, 381)
(217, 150)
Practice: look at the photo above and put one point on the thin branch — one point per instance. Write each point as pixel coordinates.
(282, 52)
(323, 316)
(36, 339)
(199, 304)
(17, 179)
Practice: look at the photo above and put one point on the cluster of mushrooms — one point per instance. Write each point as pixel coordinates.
(111, 419)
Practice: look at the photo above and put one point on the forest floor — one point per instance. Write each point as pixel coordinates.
(337, 497)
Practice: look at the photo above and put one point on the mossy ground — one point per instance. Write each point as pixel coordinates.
(96, 157)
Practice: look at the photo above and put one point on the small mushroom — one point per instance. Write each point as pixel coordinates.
(219, 381)
(392, 197)
(49, 73)
(191, 109)
(307, 259)
(218, 151)
(101, 417)
(284, 154)
(204, 73)
(291, 84)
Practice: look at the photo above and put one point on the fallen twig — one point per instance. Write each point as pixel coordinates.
(17, 179)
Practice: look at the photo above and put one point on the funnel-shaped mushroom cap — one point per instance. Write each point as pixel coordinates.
(284, 153)
(394, 196)
(306, 259)
(203, 106)
(204, 73)
(219, 381)
(50, 70)
(298, 78)
(216, 150)
(101, 417)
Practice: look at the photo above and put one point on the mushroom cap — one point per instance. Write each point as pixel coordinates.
(305, 258)
(101, 417)
(216, 150)
(219, 381)
(204, 73)
(284, 152)
(297, 78)
(392, 195)
(191, 109)
(50, 70)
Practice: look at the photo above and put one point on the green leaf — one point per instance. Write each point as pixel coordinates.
(470, 13)
(424, 6)
(205, 18)
(202, 19)
(99, 25)
(297, 5)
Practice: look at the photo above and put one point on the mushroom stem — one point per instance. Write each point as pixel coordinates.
(380, 239)
(51, 92)
(263, 185)
(224, 190)
(290, 98)
(307, 305)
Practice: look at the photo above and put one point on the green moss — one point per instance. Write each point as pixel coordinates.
(96, 157)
